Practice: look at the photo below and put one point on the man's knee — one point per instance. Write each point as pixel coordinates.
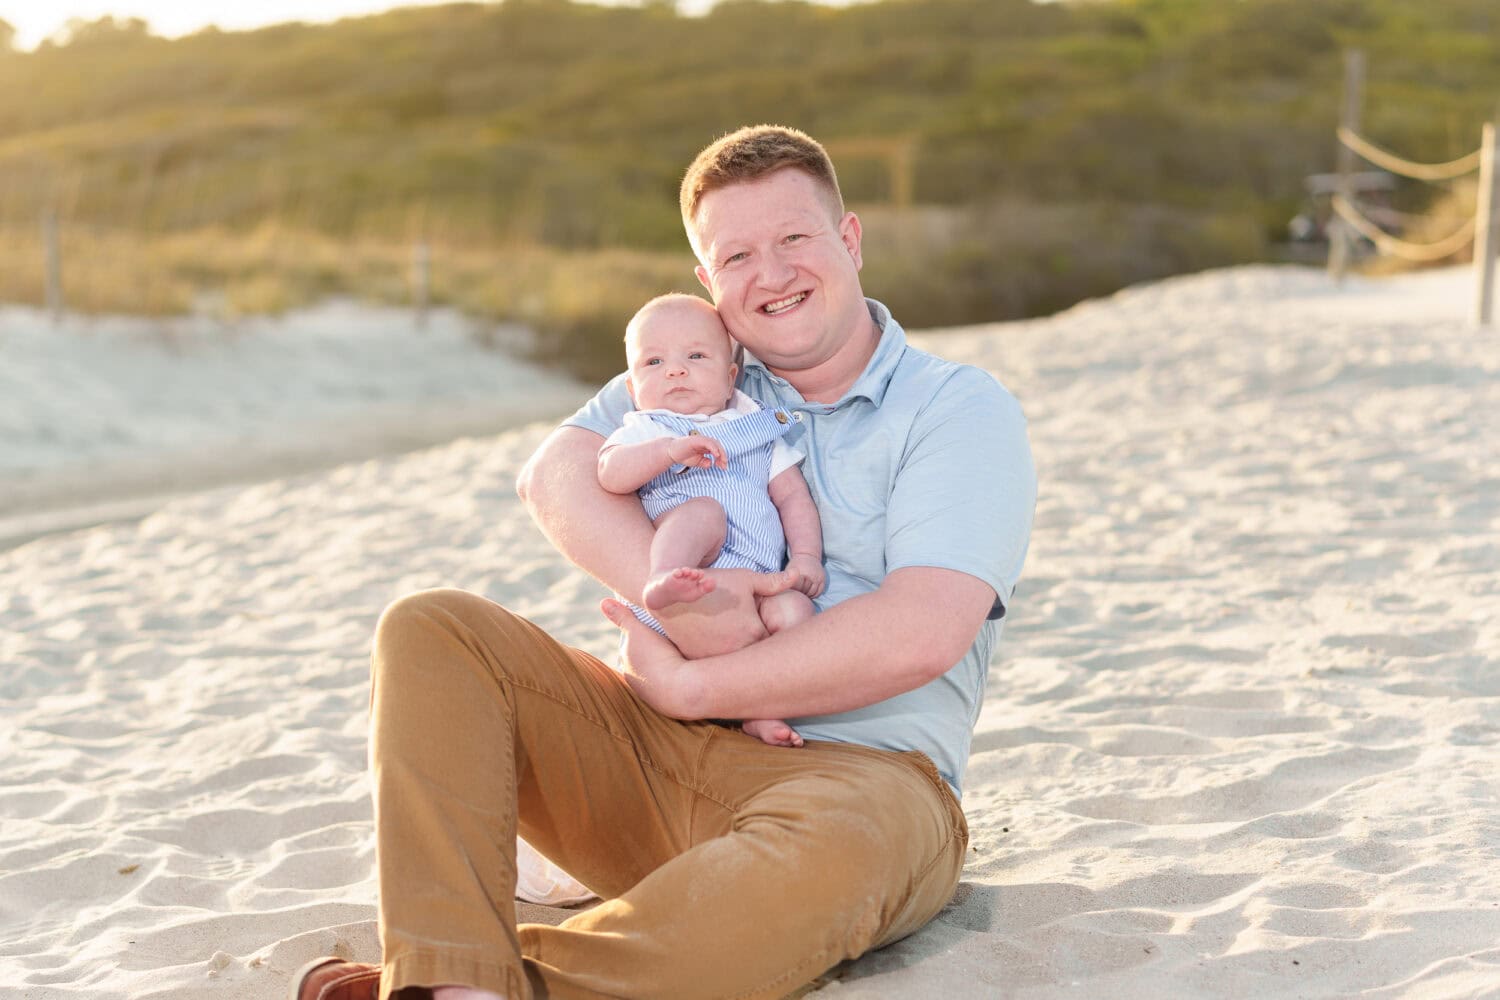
(414, 611)
(410, 624)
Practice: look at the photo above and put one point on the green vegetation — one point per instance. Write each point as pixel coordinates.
(1055, 151)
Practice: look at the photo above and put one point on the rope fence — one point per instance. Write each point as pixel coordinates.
(1407, 168)
(1417, 253)
(1483, 230)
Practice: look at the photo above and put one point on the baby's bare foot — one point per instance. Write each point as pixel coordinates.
(773, 732)
(681, 585)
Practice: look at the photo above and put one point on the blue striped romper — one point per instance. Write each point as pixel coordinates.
(754, 538)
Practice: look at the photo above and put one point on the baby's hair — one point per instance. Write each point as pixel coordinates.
(679, 300)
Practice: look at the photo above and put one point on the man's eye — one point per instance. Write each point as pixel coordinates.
(735, 258)
(796, 237)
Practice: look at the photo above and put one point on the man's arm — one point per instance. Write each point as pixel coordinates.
(803, 530)
(606, 534)
(609, 536)
(958, 520)
(914, 628)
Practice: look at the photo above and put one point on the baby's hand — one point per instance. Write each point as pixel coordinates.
(695, 451)
(810, 575)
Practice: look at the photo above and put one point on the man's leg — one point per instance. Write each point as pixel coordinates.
(741, 870)
(803, 858)
(477, 715)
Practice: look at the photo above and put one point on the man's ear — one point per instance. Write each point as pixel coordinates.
(850, 232)
(702, 274)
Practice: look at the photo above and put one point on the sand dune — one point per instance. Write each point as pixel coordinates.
(1239, 740)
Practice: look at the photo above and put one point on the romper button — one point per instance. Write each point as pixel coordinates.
(695, 433)
(780, 417)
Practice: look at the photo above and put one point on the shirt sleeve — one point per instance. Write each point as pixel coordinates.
(637, 427)
(966, 490)
(783, 457)
(605, 413)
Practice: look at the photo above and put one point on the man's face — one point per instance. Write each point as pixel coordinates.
(681, 360)
(782, 267)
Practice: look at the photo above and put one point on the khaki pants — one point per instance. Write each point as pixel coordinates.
(728, 868)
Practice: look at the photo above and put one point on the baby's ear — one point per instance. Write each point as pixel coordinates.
(734, 373)
(630, 388)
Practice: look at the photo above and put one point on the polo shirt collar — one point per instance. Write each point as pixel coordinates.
(876, 378)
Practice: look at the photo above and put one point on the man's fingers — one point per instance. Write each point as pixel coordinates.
(622, 616)
(638, 632)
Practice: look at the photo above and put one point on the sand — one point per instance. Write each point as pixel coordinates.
(1239, 740)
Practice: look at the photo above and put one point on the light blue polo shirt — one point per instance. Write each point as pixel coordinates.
(923, 463)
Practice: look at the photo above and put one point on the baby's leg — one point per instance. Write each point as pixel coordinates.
(781, 611)
(688, 538)
(772, 731)
(777, 612)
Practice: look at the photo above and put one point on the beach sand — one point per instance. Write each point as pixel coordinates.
(1239, 739)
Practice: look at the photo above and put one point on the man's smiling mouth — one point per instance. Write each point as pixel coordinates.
(782, 305)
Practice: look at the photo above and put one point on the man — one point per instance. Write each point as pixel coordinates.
(728, 868)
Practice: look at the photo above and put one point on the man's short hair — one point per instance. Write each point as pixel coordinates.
(750, 154)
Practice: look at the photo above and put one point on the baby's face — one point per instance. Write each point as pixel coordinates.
(681, 360)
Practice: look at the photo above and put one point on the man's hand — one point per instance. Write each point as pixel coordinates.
(726, 619)
(811, 577)
(696, 451)
(650, 664)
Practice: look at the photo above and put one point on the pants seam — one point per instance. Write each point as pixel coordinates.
(689, 785)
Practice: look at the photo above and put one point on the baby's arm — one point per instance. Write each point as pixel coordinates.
(803, 530)
(625, 468)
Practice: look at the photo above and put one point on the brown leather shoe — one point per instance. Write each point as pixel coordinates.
(336, 979)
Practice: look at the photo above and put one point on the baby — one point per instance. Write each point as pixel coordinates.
(712, 472)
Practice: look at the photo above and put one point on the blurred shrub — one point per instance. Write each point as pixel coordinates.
(1008, 259)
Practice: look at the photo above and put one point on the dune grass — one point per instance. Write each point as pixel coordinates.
(934, 265)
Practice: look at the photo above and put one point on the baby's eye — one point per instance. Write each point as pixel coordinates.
(697, 355)
(653, 361)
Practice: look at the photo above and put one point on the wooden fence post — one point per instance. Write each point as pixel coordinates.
(1341, 236)
(421, 280)
(1486, 226)
(52, 265)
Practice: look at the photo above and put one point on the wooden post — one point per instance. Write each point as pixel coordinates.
(421, 280)
(1486, 226)
(1340, 235)
(52, 258)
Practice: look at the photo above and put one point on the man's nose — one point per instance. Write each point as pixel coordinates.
(775, 270)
